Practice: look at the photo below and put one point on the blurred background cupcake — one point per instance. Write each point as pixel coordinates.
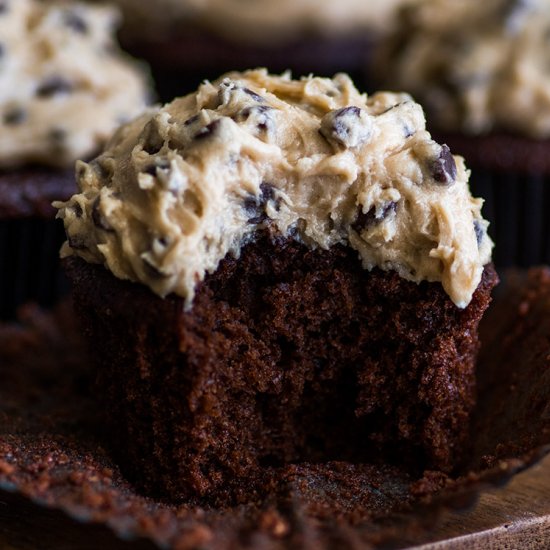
(187, 41)
(64, 87)
(482, 72)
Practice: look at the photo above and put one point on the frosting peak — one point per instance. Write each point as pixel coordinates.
(64, 86)
(182, 186)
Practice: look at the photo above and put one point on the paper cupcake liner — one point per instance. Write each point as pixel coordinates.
(29, 258)
(71, 484)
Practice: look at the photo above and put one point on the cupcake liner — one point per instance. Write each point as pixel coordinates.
(29, 256)
(71, 484)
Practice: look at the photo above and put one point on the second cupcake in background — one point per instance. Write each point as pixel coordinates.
(64, 87)
(187, 41)
(481, 71)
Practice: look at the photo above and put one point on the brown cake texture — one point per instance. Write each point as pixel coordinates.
(288, 354)
(60, 488)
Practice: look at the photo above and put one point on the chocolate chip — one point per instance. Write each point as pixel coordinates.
(444, 167)
(250, 203)
(364, 220)
(98, 218)
(253, 95)
(15, 116)
(267, 192)
(77, 242)
(191, 120)
(3, 7)
(480, 232)
(159, 164)
(152, 271)
(349, 127)
(2, 50)
(208, 130)
(255, 110)
(57, 135)
(255, 206)
(152, 140)
(77, 209)
(261, 114)
(75, 22)
(54, 85)
(298, 228)
(355, 111)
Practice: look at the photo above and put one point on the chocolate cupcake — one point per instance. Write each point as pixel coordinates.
(188, 41)
(64, 87)
(480, 69)
(273, 270)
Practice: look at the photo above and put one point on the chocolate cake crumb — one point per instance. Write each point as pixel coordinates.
(59, 486)
(288, 355)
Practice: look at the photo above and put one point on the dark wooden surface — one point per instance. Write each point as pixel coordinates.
(514, 516)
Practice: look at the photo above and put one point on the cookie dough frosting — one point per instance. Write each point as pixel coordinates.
(476, 66)
(263, 20)
(64, 86)
(313, 159)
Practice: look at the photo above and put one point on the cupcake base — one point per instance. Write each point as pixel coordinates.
(287, 355)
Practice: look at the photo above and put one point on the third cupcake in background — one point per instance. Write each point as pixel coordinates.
(481, 71)
(189, 40)
(64, 87)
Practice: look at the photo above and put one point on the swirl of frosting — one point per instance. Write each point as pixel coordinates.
(182, 186)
